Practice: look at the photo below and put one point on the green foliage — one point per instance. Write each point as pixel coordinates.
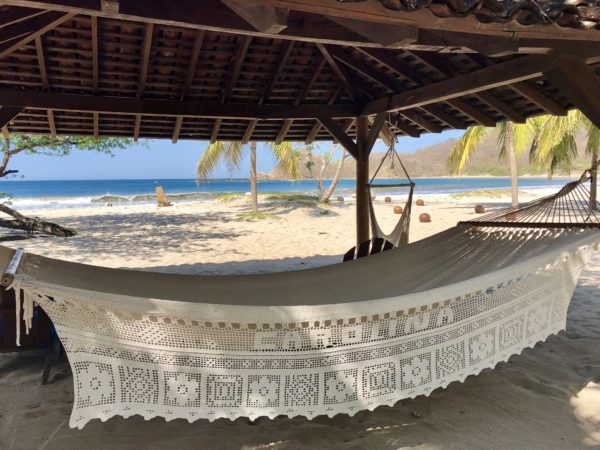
(292, 197)
(556, 147)
(507, 134)
(62, 145)
(258, 216)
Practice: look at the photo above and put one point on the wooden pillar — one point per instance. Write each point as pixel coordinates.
(362, 179)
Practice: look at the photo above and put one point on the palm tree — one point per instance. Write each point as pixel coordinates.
(325, 193)
(512, 138)
(230, 152)
(555, 143)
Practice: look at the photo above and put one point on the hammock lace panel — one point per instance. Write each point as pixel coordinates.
(175, 360)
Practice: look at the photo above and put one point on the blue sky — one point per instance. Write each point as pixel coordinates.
(161, 159)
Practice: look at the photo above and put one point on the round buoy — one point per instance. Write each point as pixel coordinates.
(388, 199)
(479, 209)
(340, 199)
(420, 202)
(424, 218)
(398, 210)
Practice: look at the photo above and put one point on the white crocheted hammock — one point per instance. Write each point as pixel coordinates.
(336, 339)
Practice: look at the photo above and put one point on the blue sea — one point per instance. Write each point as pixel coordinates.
(77, 193)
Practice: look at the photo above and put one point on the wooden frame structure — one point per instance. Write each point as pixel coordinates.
(297, 70)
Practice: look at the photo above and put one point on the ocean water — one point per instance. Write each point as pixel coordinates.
(77, 193)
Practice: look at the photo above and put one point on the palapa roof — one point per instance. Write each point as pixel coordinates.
(285, 69)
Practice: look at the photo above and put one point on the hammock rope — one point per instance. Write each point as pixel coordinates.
(571, 206)
(400, 234)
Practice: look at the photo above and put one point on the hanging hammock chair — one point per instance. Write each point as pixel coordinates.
(399, 235)
(336, 339)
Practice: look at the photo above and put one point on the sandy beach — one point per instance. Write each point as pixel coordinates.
(547, 397)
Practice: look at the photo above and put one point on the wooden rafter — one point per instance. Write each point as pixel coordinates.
(39, 49)
(340, 134)
(263, 18)
(238, 61)
(392, 36)
(143, 76)
(215, 130)
(16, 15)
(96, 118)
(339, 73)
(317, 126)
(413, 116)
(578, 82)
(374, 132)
(24, 32)
(95, 56)
(537, 97)
(472, 112)
(406, 129)
(189, 78)
(363, 68)
(283, 58)
(7, 114)
(406, 71)
(313, 74)
(502, 74)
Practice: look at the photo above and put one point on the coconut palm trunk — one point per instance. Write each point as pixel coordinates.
(325, 194)
(253, 190)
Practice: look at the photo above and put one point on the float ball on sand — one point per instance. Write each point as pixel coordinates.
(388, 199)
(479, 209)
(398, 210)
(340, 199)
(420, 202)
(425, 218)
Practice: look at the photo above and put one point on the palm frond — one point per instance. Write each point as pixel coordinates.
(229, 152)
(287, 159)
(463, 149)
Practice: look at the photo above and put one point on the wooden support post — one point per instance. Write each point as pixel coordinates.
(362, 179)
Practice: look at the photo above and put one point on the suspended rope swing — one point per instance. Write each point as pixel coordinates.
(399, 235)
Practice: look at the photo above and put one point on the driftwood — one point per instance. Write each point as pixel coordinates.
(30, 224)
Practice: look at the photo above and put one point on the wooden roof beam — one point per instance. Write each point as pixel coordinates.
(448, 70)
(501, 74)
(172, 108)
(472, 112)
(189, 78)
(95, 53)
(312, 134)
(406, 129)
(283, 58)
(215, 131)
(537, 97)
(339, 73)
(238, 61)
(177, 129)
(15, 15)
(39, 48)
(313, 74)
(363, 68)
(263, 18)
(22, 33)
(145, 61)
(392, 36)
(96, 118)
(8, 114)
(189, 75)
(413, 116)
(340, 134)
(578, 82)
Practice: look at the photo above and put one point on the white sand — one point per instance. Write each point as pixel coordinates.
(549, 397)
